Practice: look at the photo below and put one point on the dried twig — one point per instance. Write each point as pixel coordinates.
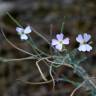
(73, 92)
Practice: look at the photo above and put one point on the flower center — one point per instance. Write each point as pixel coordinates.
(60, 42)
(83, 42)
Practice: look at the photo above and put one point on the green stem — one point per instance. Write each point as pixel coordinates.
(14, 19)
(62, 27)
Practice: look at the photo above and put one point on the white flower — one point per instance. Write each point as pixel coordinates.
(23, 32)
(59, 41)
(83, 40)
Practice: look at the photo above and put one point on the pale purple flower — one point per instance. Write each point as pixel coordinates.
(60, 41)
(84, 42)
(23, 32)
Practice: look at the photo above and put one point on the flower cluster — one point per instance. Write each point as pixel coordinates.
(84, 39)
(60, 40)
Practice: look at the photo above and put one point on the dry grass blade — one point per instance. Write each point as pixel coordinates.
(41, 73)
(19, 59)
(73, 92)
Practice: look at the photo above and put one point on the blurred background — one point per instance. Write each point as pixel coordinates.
(79, 16)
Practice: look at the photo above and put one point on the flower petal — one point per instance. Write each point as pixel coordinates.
(19, 30)
(24, 37)
(88, 47)
(60, 36)
(27, 30)
(59, 47)
(82, 48)
(54, 42)
(66, 41)
(87, 37)
(79, 38)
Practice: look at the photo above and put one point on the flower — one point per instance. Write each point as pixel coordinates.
(23, 32)
(59, 41)
(83, 40)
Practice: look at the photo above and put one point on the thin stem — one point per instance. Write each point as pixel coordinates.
(41, 73)
(31, 42)
(51, 27)
(73, 92)
(69, 65)
(28, 42)
(21, 50)
(38, 33)
(62, 27)
(50, 71)
(45, 82)
(92, 83)
(19, 59)
(15, 21)
(35, 83)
